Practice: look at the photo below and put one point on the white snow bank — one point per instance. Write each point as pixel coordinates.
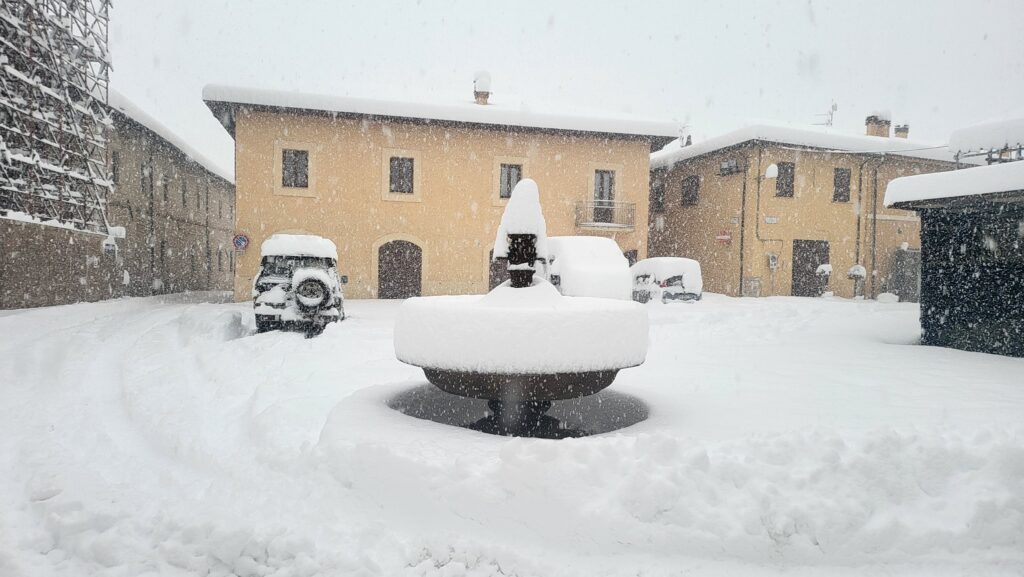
(299, 245)
(495, 113)
(993, 135)
(964, 182)
(814, 137)
(528, 330)
(662, 268)
(522, 215)
(127, 107)
(590, 266)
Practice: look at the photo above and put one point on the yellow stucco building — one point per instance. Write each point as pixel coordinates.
(761, 232)
(412, 193)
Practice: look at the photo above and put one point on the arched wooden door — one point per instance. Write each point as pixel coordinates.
(399, 270)
(498, 272)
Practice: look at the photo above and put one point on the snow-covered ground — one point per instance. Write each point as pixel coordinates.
(799, 436)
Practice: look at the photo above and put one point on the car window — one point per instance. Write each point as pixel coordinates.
(674, 281)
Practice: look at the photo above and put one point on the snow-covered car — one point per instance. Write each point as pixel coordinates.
(298, 284)
(667, 278)
(588, 266)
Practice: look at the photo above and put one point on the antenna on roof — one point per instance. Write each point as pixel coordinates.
(828, 115)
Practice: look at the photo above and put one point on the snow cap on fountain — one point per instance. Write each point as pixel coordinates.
(522, 216)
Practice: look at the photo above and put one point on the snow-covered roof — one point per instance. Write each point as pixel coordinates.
(299, 245)
(972, 181)
(808, 136)
(495, 113)
(994, 135)
(124, 105)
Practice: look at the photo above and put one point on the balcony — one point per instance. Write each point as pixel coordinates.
(605, 214)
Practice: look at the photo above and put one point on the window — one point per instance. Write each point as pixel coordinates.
(727, 167)
(604, 185)
(691, 190)
(163, 186)
(401, 175)
(295, 168)
(511, 174)
(657, 198)
(115, 166)
(604, 196)
(184, 193)
(220, 260)
(842, 185)
(163, 254)
(784, 182)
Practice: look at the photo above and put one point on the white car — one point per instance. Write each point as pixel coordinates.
(298, 284)
(588, 266)
(667, 278)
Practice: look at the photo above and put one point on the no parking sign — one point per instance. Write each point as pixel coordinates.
(240, 242)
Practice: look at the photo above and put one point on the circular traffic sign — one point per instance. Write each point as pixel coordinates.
(240, 242)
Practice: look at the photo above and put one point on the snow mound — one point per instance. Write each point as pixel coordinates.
(522, 215)
(529, 330)
(299, 245)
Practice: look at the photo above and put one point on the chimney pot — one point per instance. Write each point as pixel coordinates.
(902, 130)
(877, 126)
(481, 87)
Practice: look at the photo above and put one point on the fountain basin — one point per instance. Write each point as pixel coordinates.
(521, 343)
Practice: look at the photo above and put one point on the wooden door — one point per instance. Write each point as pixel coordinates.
(808, 255)
(399, 270)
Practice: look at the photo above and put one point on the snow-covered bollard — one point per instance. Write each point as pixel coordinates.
(523, 345)
(823, 272)
(857, 274)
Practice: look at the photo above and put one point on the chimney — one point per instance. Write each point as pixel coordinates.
(481, 87)
(902, 130)
(877, 125)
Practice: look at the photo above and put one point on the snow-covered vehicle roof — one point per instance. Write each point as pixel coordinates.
(299, 245)
(124, 105)
(967, 182)
(985, 136)
(662, 267)
(807, 136)
(590, 266)
(494, 113)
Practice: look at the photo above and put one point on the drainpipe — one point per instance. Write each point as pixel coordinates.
(874, 226)
(743, 216)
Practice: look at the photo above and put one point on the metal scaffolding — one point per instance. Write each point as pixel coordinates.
(54, 67)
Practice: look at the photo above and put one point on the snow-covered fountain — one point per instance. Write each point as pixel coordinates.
(523, 345)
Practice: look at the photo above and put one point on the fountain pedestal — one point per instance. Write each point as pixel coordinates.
(523, 345)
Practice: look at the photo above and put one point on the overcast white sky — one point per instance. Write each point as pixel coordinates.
(937, 65)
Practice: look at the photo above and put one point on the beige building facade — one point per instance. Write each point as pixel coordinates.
(412, 197)
(763, 208)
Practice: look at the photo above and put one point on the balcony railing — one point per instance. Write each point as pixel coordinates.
(605, 214)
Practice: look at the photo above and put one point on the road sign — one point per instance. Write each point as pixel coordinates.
(240, 242)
